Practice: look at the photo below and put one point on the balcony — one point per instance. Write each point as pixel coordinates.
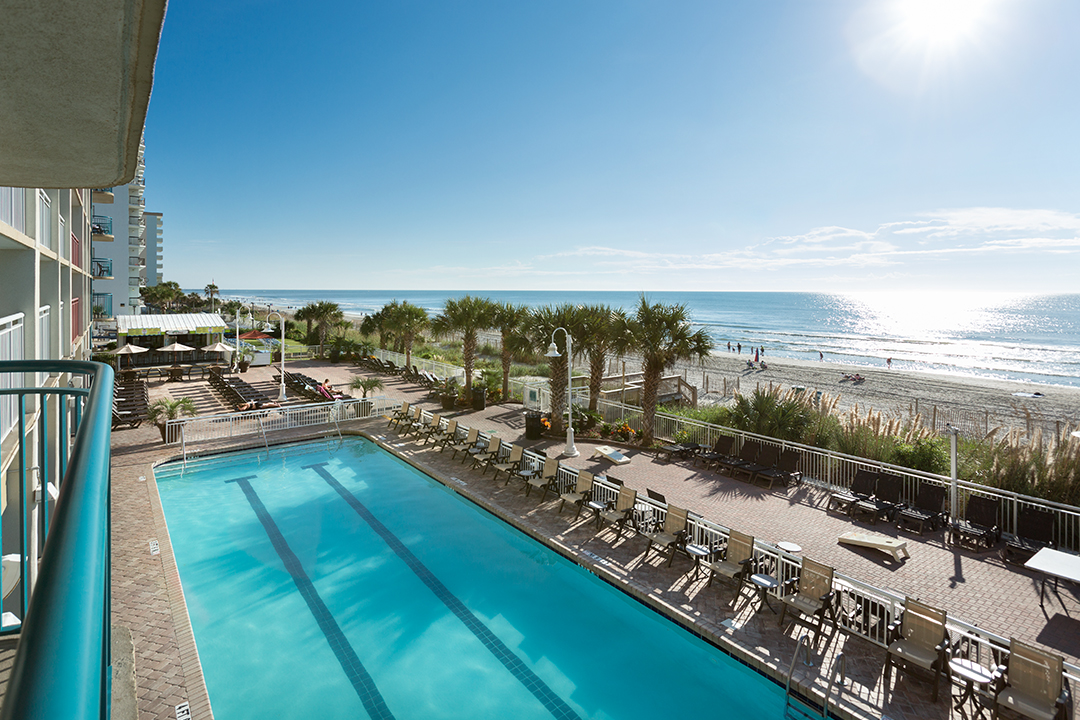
(101, 269)
(136, 201)
(136, 221)
(101, 228)
(61, 611)
(101, 303)
(103, 196)
(136, 262)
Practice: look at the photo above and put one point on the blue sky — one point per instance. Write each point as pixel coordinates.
(843, 145)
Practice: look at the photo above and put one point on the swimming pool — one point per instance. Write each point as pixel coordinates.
(338, 581)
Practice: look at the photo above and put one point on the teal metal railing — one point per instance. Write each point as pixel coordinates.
(62, 666)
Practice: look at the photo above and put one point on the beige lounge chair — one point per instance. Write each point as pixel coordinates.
(813, 598)
(581, 493)
(510, 465)
(621, 512)
(1033, 685)
(671, 535)
(920, 640)
(467, 444)
(545, 479)
(738, 561)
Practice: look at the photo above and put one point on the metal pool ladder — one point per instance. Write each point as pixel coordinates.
(805, 649)
(839, 666)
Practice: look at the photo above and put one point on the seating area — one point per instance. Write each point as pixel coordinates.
(409, 374)
(755, 462)
(238, 394)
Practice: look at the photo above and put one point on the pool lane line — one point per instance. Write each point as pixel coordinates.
(532, 682)
(354, 669)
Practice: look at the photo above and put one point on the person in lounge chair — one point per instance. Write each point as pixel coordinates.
(257, 405)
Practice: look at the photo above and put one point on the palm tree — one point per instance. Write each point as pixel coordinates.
(508, 319)
(366, 383)
(378, 322)
(538, 327)
(661, 334)
(602, 327)
(327, 315)
(466, 315)
(306, 314)
(409, 320)
(211, 290)
(164, 409)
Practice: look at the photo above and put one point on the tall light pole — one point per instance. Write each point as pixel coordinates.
(953, 432)
(553, 352)
(281, 396)
(238, 311)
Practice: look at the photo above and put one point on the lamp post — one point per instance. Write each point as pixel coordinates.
(553, 352)
(281, 395)
(238, 354)
(953, 432)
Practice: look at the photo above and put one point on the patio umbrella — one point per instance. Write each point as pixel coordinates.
(219, 347)
(130, 349)
(176, 347)
(254, 335)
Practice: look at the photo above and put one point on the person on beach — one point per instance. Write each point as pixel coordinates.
(740, 348)
(755, 356)
(762, 351)
(888, 363)
(820, 356)
(729, 346)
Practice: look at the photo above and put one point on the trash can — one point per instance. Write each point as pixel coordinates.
(533, 428)
(479, 398)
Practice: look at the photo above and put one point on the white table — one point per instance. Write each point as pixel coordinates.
(764, 584)
(1058, 565)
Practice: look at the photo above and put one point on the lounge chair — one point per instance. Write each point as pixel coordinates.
(671, 535)
(919, 639)
(979, 526)
(1032, 684)
(508, 466)
(465, 445)
(813, 597)
(721, 450)
(581, 493)
(680, 451)
(481, 455)
(862, 487)
(620, 512)
(766, 460)
(747, 456)
(400, 414)
(1034, 531)
(929, 509)
(547, 478)
(885, 502)
(786, 470)
(738, 560)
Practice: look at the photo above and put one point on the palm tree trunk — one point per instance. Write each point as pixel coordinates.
(558, 392)
(650, 385)
(596, 376)
(507, 361)
(408, 350)
(468, 351)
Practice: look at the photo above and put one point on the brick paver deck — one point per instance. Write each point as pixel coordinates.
(976, 587)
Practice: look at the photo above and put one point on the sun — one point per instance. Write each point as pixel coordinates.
(942, 24)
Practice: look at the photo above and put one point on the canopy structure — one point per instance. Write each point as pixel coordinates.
(129, 326)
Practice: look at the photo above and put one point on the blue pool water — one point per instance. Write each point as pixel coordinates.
(337, 581)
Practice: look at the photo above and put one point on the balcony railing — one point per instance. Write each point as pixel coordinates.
(101, 267)
(101, 225)
(103, 301)
(64, 598)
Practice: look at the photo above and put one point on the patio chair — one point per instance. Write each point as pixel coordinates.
(747, 456)
(671, 535)
(919, 639)
(619, 512)
(979, 526)
(581, 493)
(546, 479)
(1034, 531)
(885, 502)
(509, 465)
(786, 470)
(413, 423)
(1032, 684)
(737, 562)
(766, 460)
(445, 436)
(400, 414)
(431, 429)
(929, 509)
(653, 495)
(862, 487)
(721, 450)
(481, 455)
(465, 445)
(813, 598)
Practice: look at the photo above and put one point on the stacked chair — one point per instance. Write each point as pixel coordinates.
(131, 401)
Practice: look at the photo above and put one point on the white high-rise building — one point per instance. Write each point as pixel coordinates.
(127, 246)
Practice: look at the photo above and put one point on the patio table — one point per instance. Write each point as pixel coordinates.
(1056, 564)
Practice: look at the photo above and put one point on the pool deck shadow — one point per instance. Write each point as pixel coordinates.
(976, 587)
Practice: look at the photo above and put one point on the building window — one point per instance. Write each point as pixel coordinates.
(13, 207)
(45, 218)
(11, 348)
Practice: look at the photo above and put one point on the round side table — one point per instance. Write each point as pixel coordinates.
(971, 672)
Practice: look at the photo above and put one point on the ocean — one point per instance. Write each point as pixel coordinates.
(1025, 338)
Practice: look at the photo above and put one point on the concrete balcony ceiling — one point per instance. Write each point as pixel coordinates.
(75, 89)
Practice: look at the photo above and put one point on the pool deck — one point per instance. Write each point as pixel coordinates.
(977, 587)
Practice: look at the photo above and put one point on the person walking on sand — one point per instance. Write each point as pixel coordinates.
(820, 356)
(888, 363)
(740, 348)
(763, 351)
